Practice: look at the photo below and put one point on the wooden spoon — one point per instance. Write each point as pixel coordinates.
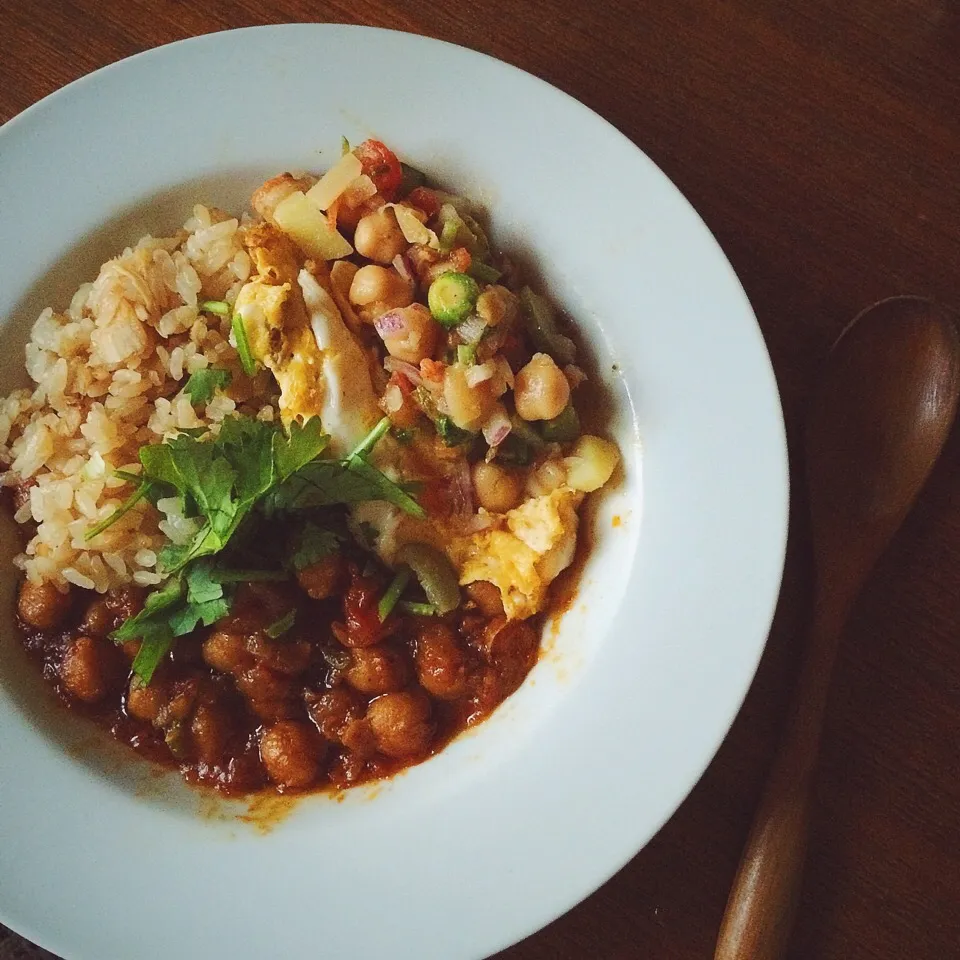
(876, 426)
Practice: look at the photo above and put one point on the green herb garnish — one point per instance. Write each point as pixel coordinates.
(281, 626)
(220, 307)
(243, 346)
(251, 475)
(143, 488)
(389, 600)
(418, 609)
(203, 384)
(313, 544)
(450, 433)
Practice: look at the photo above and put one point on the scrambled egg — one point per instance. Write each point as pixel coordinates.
(296, 331)
(523, 559)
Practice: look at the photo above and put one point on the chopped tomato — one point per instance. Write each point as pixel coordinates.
(402, 382)
(432, 370)
(363, 627)
(381, 165)
(460, 259)
(425, 199)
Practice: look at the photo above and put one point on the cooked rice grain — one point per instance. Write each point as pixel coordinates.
(108, 375)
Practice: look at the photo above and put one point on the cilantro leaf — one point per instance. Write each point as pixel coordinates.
(321, 483)
(313, 543)
(184, 620)
(202, 584)
(305, 443)
(385, 487)
(203, 384)
(154, 646)
(221, 480)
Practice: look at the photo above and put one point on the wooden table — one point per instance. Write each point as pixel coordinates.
(821, 143)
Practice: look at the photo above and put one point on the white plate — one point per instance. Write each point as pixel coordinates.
(512, 825)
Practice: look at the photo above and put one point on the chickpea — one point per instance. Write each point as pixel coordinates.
(497, 305)
(98, 620)
(42, 605)
(322, 579)
(380, 287)
(540, 390)
(467, 406)
(291, 754)
(145, 701)
(267, 197)
(210, 730)
(289, 657)
(125, 602)
(334, 710)
(85, 670)
(441, 664)
(261, 683)
(498, 488)
(375, 670)
(359, 739)
(379, 237)
(179, 705)
(511, 648)
(273, 709)
(226, 652)
(400, 723)
(486, 596)
(419, 336)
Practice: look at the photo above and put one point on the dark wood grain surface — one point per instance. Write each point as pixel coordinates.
(820, 141)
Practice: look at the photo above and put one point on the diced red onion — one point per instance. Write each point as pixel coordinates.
(478, 373)
(407, 370)
(471, 330)
(497, 428)
(503, 369)
(403, 266)
(390, 324)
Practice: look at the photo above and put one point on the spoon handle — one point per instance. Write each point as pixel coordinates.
(763, 900)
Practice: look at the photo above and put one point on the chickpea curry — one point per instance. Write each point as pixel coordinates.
(321, 541)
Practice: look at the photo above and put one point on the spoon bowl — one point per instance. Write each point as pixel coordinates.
(876, 426)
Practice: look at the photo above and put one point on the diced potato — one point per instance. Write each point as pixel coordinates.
(363, 188)
(413, 230)
(591, 463)
(335, 181)
(300, 219)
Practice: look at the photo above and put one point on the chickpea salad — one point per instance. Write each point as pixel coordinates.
(294, 485)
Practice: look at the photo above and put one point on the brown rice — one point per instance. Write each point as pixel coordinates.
(108, 373)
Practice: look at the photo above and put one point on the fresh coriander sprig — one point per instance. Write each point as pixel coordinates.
(250, 467)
